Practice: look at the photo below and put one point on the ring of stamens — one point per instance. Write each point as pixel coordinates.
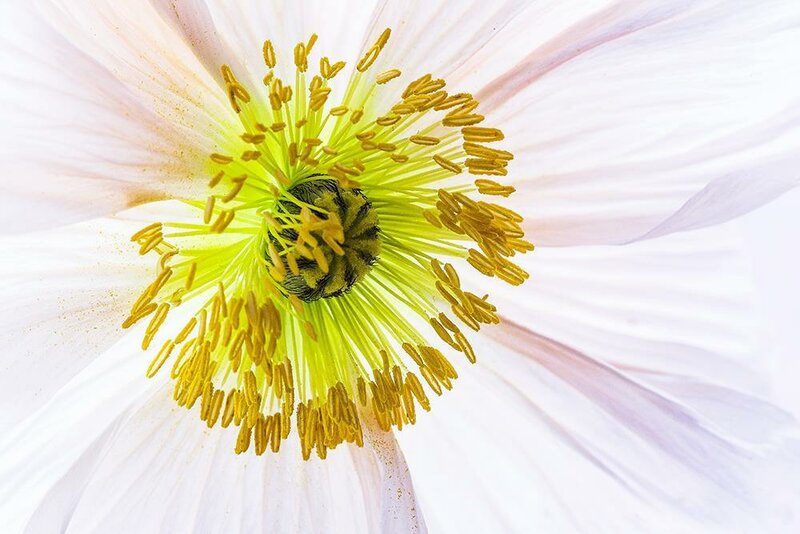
(271, 344)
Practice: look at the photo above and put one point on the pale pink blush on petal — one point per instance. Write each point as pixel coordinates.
(244, 25)
(641, 110)
(683, 304)
(740, 470)
(93, 132)
(192, 20)
(578, 435)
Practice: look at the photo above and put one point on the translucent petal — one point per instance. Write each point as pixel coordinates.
(110, 452)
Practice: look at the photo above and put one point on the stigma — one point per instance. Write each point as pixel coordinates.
(319, 274)
(324, 238)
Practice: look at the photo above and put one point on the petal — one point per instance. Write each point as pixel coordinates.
(400, 511)
(772, 238)
(64, 295)
(635, 412)
(248, 23)
(440, 38)
(192, 21)
(683, 304)
(236, 31)
(345, 33)
(86, 411)
(112, 452)
(643, 119)
(541, 436)
(142, 129)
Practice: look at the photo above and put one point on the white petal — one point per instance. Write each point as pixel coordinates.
(84, 413)
(682, 304)
(772, 236)
(248, 23)
(646, 118)
(103, 108)
(400, 512)
(542, 437)
(192, 21)
(112, 452)
(346, 31)
(439, 37)
(64, 295)
(665, 354)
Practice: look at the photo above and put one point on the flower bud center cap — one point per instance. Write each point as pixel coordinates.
(336, 244)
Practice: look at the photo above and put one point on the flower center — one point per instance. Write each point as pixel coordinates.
(365, 202)
(333, 242)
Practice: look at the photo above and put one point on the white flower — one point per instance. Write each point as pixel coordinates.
(620, 391)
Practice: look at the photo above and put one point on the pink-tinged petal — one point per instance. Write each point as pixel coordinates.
(438, 37)
(652, 351)
(683, 304)
(234, 32)
(64, 295)
(101, 110)
(416, 45)
(192, 21)
(542, 437)
(734, 194)
(642, 119)
(743, 454)
(112, 452)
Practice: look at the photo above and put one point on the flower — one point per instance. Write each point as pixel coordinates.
(326, 196)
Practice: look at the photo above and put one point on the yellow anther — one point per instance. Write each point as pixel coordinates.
(319, 256)
(209, 209)
(387, 76)
(372, 54)
(224, 220)
(269, 54)
(216, 179)
(424, 140)
(227, 74)
(221, 159)
(356, 116)
(446, 164)
(311, 41)
(387, 120)
(479, 134)
(300, 57)
(458, 119)
(253, 138)
(490, 187)
(147, 231)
